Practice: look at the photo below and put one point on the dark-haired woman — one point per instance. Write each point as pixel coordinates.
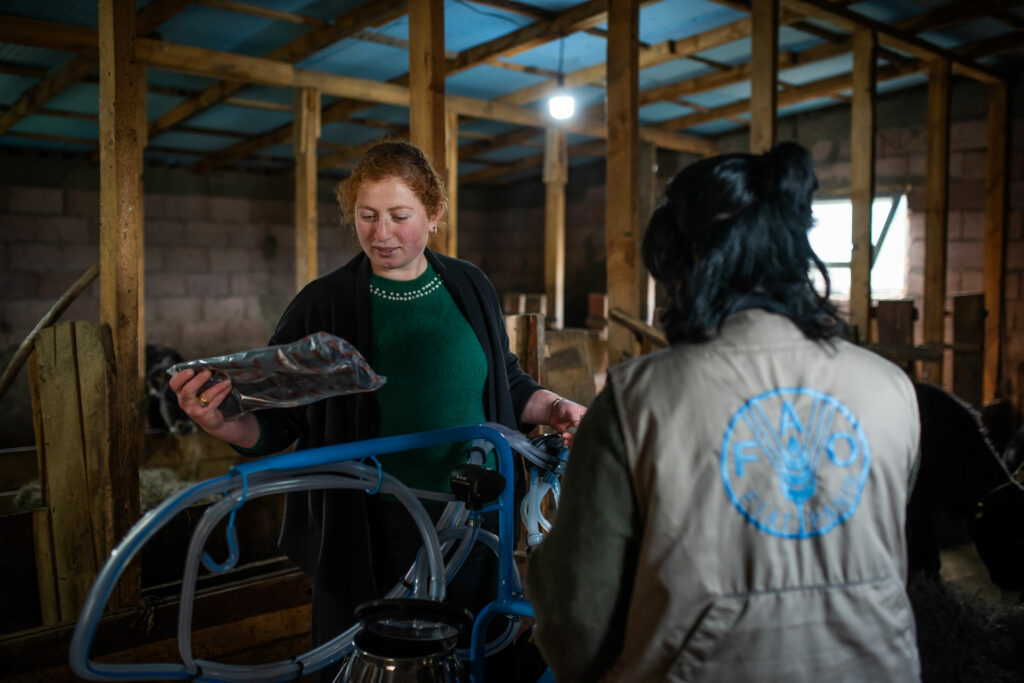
(734, 506)
(433, 326)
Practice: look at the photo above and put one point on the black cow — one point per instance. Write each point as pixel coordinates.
(962, 477)
(163, 412)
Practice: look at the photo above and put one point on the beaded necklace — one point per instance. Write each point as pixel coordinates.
(429, 287)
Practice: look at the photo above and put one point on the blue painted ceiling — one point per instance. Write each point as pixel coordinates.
(68, 121)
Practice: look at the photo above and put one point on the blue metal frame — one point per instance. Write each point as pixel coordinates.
(507, 600)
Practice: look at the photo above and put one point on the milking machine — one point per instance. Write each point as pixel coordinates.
(410, 634)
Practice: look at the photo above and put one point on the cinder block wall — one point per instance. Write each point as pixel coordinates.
(218, 270)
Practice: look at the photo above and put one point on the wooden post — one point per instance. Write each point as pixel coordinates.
(936, 205)
(862, 178)
(764, 70)
(450, 244)
(307, 131)
(968, 344)
(647, 180)
(556, 175)
(621, 215)
(526, 340)
(995, 240)
(427, 122)
(122, 137)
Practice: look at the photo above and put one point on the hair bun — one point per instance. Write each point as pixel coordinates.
(790, 171)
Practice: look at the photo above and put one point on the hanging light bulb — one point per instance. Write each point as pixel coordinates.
(561, 105)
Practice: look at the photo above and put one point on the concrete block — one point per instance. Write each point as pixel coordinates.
(917, 165)
(974, 165)
(160, 285)
(973, 226)
(1016, 194)
(915, 283)
(1015, 315)
(232, 259)
(209, 233)
(823, 150)
(35, 200)
(915, 226)
(22, 228)
(917, 140)
(207, 284)
(836, 173)
(972, 281)
(968, 135)
(956, 165)
(892, 168)
(1015, 225)
(153, 260)
(176, 308)
(81, 309)
(1015, 256)
(177, 207)
(271, 211)
(843, 152)
(72, 229)
(82, 203)
(965, 195)
(42, 258)
(25, 285)
(915, 254)
(225, 309)
(328, 213)
(228, 209)
(954, 224)
(165, 232)
(247, 283)
(187, 259)
(80, 257)
(164, 333)
(1011, 286)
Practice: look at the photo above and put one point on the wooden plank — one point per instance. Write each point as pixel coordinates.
(862, 179)
(621, 209)
(764, 71)
(368, 15)
(427, 122)
(307, 131)
(936, 208)
(583, 16)
(122, 137)
(451, 229)
(264, 12)
(526, 340)
(968, 346)
(901, 40)
(46, 577)
(67, 491)
(808, 91)
(895, 319)
(555, 176)
(995, 234)
(94, 366)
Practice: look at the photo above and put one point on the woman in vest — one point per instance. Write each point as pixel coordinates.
(433, 326)
(734, 506)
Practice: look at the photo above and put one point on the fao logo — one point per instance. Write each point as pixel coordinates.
(794, 462)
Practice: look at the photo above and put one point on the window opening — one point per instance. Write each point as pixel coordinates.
(832, 237)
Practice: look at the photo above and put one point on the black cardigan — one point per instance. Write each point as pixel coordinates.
(326, 533)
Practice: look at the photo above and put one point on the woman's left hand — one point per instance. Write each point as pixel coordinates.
(547, 407)
(565, 417)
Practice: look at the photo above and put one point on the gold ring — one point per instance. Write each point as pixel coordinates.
(203, 402)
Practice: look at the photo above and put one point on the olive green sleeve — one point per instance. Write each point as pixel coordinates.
(580, 578)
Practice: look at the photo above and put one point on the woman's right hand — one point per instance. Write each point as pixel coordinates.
(202, 408)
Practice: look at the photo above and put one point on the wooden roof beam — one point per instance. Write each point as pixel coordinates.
(822, 88)
(367, 15)
(148, 19)
(901, 40)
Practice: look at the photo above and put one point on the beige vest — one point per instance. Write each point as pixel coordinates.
(771, 475)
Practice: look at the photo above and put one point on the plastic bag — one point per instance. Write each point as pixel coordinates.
(313, 368)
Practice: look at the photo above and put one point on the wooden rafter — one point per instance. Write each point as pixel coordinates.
(148, 19)
(367, 15)
(901, 40)
(263, 12)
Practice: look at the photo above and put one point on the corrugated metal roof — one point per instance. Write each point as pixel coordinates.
(380, 53)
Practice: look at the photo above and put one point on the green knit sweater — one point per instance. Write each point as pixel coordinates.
(435, 369)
